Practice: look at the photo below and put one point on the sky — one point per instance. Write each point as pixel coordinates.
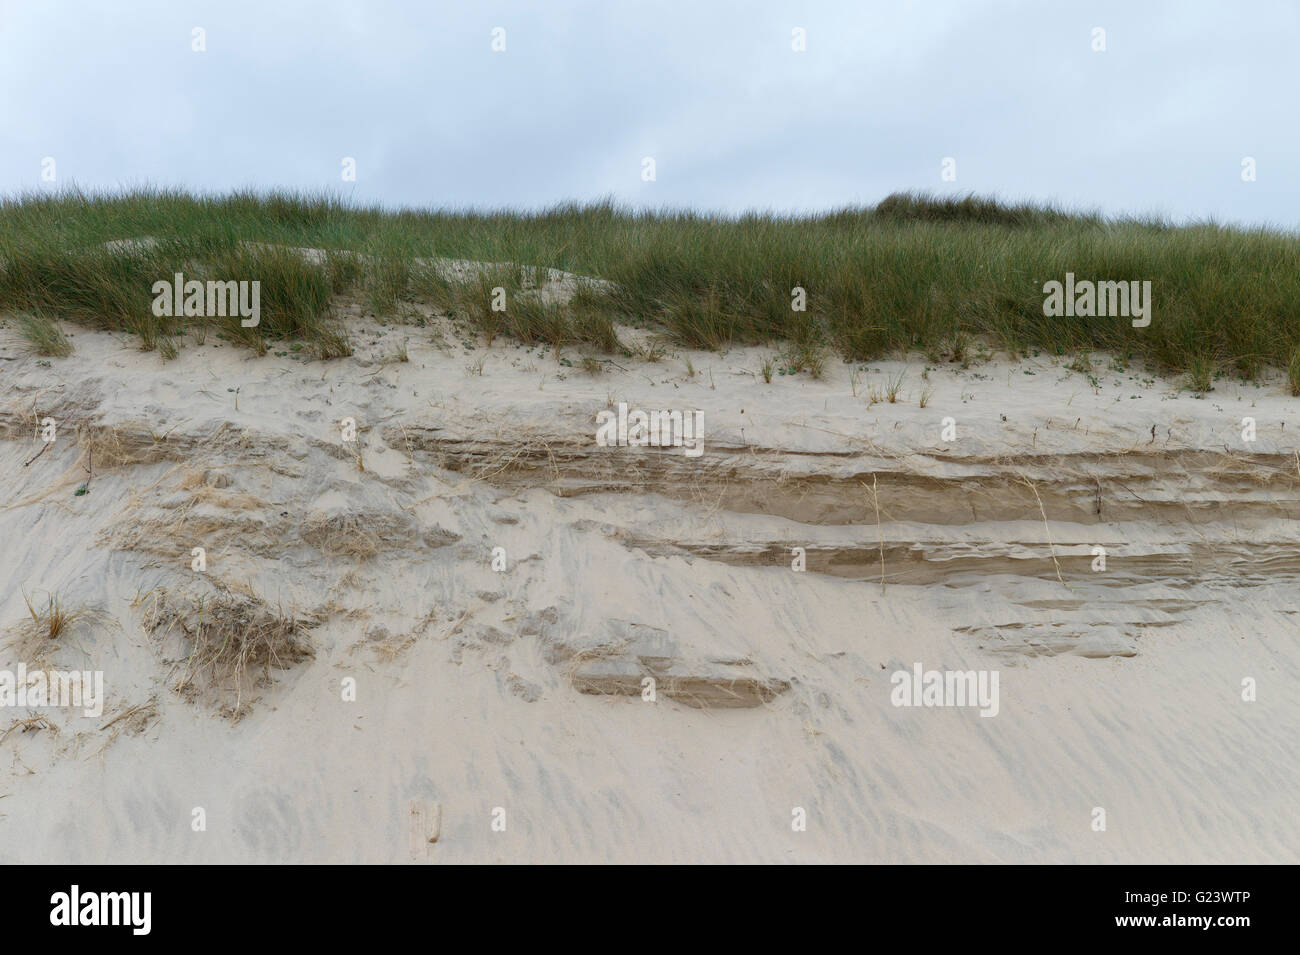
(1188, 109)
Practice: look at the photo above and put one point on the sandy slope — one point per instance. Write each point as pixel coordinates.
(520, 690)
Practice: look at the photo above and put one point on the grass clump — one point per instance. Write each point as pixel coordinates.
(48, 627)
(808, 357)
(44, 335)
(532, 320)
(343, 270)
(387, 279)
(1200, 373)
(1082, 363)
(894, 388)
(229, 641)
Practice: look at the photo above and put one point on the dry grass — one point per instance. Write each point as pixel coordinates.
(130, 719)
(880, 531)
(349, 535)
(231, 641)
(133, 442)
(209, 517)
(38, 638)
(31, 724)
(135, 719)
(1047, 530)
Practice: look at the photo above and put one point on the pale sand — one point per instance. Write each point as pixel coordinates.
(1119, 689)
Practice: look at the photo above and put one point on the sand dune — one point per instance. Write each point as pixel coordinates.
(961, 545)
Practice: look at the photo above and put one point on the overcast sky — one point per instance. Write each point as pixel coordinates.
(733, 117)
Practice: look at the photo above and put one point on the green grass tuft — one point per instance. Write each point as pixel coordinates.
(44, 335)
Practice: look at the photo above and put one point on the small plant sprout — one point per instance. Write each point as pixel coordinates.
(895, 386)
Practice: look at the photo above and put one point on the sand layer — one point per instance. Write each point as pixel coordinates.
(515, 693)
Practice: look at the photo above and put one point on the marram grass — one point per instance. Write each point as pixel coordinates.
(912, 273)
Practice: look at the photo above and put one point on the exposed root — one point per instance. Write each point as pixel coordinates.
(1046, 530)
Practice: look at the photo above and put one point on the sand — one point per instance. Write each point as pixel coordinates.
(502, 711)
